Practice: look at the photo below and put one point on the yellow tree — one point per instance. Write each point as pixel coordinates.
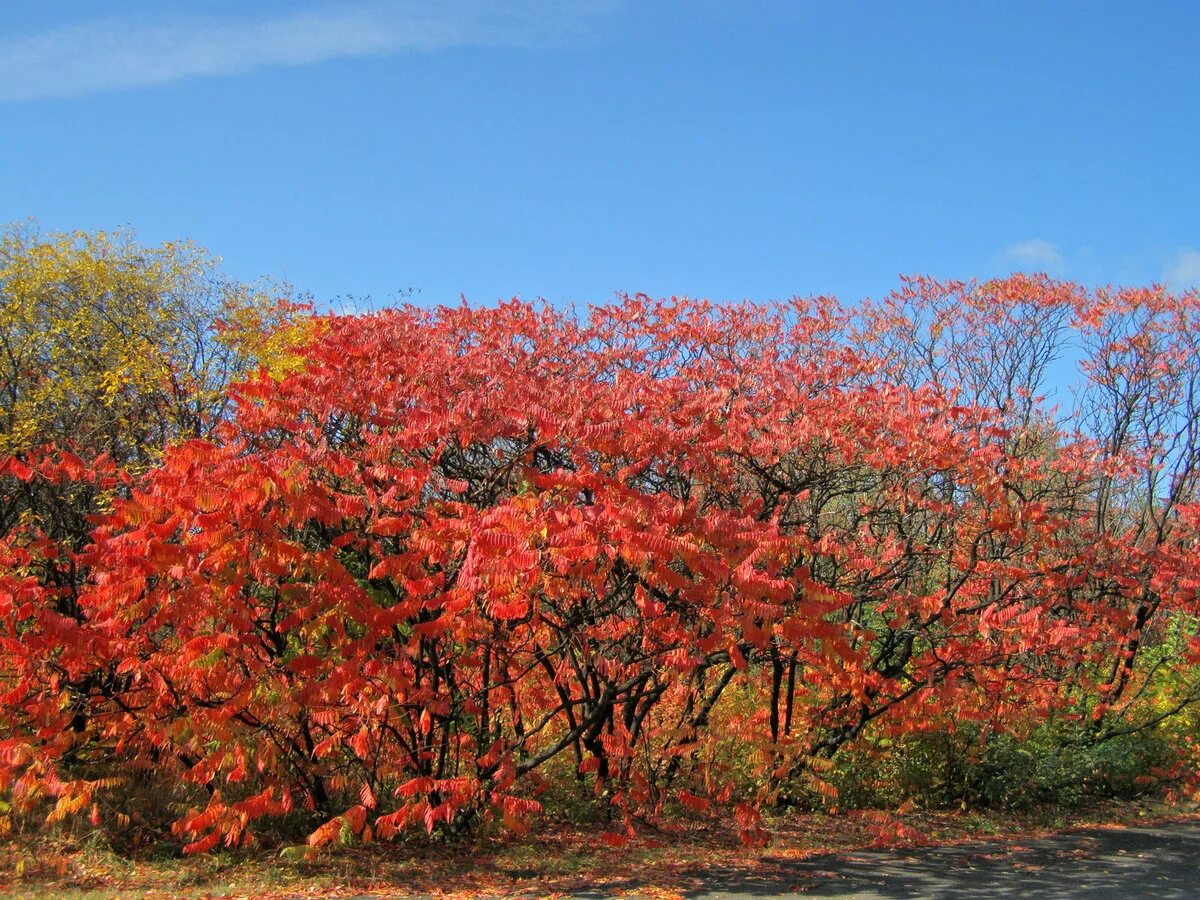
(116, 347)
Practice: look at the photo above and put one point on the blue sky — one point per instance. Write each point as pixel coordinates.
(571, 149)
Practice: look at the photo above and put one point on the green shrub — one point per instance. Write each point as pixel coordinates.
(1054, 764)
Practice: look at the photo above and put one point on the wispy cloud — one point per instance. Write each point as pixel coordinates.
(1036, 251)
(112, 54)
(1184, 272)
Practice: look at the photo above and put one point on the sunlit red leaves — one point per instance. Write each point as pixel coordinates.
(458, 544)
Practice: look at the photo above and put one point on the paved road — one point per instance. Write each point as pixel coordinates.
(1160, 861)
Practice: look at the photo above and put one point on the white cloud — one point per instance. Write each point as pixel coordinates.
(1184, 272)
(1036, 251)
(107, 55)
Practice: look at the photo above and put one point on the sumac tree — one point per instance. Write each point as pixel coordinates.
(455, 546)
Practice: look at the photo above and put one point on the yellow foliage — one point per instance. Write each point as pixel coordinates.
(121, 348)
(268, 333)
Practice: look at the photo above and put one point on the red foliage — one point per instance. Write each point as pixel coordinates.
(461, 543)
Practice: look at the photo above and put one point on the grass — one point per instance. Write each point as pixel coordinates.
(563, 859)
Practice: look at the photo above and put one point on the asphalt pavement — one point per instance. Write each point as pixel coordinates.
(1125, 863)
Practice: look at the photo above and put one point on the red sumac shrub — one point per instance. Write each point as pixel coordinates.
(460, 543)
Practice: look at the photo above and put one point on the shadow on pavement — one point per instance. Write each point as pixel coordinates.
(1096, 863)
